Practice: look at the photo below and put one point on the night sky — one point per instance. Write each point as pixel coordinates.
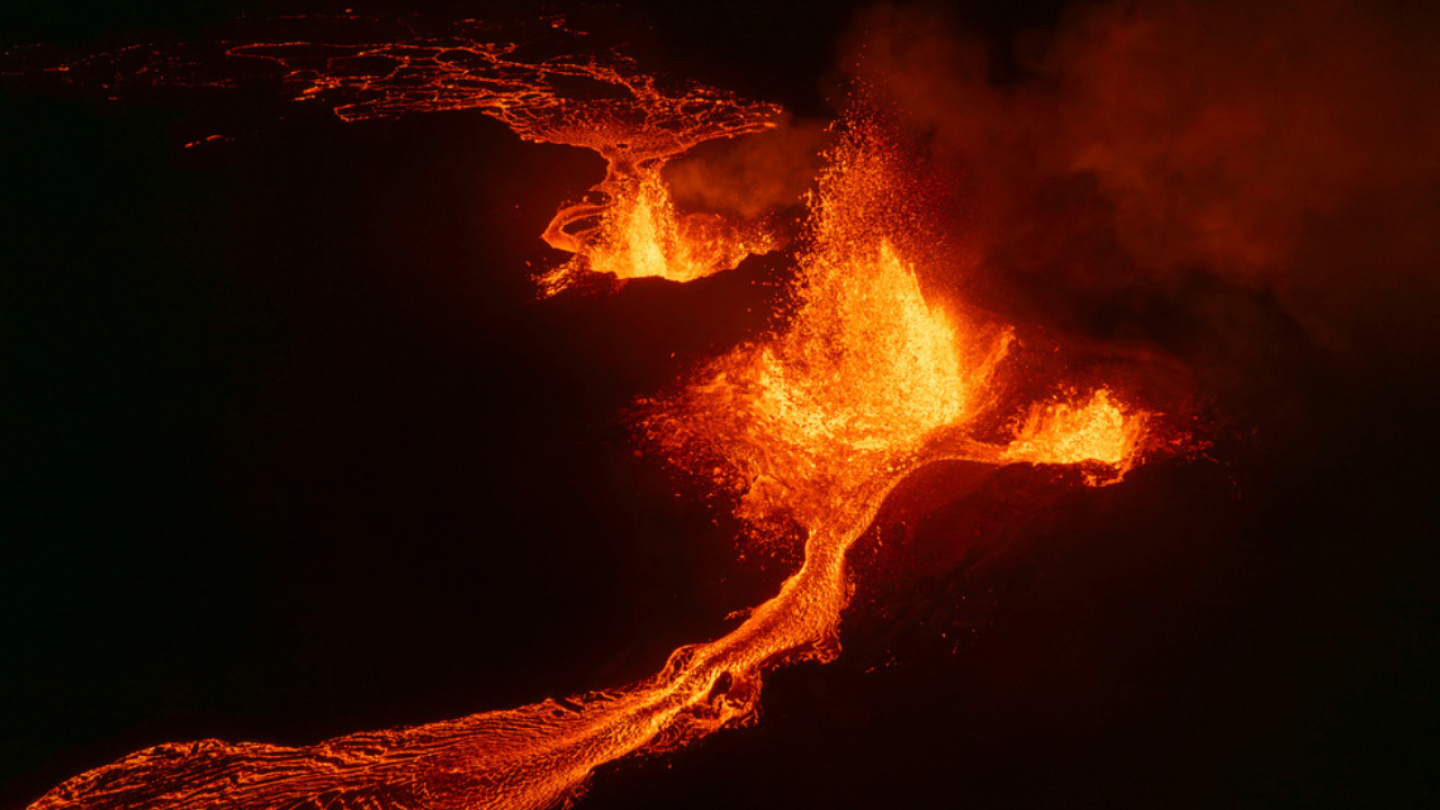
(291, 450)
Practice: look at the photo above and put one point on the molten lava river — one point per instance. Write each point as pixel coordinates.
(870, 378)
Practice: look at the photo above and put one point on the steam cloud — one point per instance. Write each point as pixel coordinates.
(754, 175)
(1286, 152)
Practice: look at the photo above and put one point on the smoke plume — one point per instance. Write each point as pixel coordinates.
(754, 175)
(1156, 156)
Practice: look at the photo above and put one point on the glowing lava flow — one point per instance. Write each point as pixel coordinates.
(626, 226)
(819, 425)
